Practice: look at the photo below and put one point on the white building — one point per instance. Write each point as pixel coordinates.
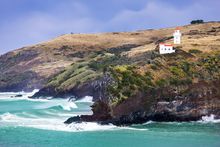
(177, 36)
(166, 48)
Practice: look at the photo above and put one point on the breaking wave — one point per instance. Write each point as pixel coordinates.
(62, 103)
(86, 99)
(58, 125)
(44, 113)
(15, 96)
(51, 123)
(209, 119)
(48, 114)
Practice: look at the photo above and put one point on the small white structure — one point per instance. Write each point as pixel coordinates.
(166, 48)
(177, 36)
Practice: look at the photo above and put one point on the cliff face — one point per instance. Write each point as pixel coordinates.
(28, 68)
(200, 99)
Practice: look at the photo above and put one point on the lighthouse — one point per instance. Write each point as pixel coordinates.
(177, 36)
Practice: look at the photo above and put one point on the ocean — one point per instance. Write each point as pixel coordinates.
(26, 122)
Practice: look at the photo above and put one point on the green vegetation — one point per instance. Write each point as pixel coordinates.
(74, 75)
(194, 51)
(128, 82)
(211, 64)
(135, 75)
(100, 65)
(89, 69)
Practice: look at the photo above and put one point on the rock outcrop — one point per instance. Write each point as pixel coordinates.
(201, 99)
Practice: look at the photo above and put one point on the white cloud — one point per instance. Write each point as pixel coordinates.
(160, 14)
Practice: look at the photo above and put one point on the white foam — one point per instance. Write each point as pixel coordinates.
(11, 96)
(210, 119)
(32, 93)
(52, 124)
(21, 92)
(51, 119)
(57, 124)
(8, 117)
(37, 100)
(86, 99)
(135, 129)
(90, 126)
(12, 93)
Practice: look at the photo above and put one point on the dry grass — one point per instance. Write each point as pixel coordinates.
(52, 57)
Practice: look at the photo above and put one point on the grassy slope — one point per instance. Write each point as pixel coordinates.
(137, 67)
(96, 52)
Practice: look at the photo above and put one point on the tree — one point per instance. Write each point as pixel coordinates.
(197, 21)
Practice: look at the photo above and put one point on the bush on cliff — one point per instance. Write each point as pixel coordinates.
(128, 82)
(194, 51)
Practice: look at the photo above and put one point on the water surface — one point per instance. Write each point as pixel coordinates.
(26, 122)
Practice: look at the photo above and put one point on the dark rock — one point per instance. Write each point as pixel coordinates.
(199, 101)
(76, 119)
(19, 95)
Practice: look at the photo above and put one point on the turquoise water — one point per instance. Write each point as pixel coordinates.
(25, 122)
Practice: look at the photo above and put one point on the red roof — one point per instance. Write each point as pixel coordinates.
(177, 28)
(166, 44)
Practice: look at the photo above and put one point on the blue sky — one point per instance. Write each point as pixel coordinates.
(26, 22)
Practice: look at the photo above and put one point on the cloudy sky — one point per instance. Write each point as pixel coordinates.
(26, 22)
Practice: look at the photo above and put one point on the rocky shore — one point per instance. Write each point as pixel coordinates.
(201, 99)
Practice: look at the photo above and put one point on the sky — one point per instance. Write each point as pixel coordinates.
(27, 22)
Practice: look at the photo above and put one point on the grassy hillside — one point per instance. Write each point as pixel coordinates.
(136, 67)
(74, 59)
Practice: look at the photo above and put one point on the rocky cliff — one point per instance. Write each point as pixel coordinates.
(179, 87)
(129, 80)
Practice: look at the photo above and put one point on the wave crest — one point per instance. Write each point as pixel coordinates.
(68, 106)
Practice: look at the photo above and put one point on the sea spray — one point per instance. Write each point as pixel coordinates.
(210, 119)
(86, 99)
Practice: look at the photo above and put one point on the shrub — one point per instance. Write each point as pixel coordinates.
(128, 82)
(197, 21)
(102, 64)
(154, 67)
(121, 69)
(194, 51)
(177, 71)
(161, 83)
